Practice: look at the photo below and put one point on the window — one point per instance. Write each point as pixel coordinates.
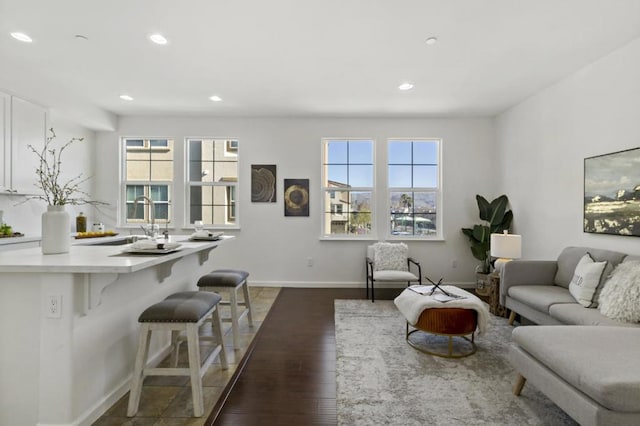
(414, 187)
(148, 172)
(347, 185)
(213, 181)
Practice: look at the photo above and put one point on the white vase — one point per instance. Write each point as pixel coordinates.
(56, 234)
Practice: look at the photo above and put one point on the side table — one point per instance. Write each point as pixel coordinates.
(494, 296)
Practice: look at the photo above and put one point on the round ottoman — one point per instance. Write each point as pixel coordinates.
(451, 322)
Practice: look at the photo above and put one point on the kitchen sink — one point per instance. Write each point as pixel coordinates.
(118, 242)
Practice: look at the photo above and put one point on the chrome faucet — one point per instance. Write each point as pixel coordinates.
(151, 232)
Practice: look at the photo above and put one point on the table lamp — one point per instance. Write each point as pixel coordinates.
(505, 247)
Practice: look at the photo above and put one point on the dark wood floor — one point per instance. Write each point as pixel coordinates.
(289, 376)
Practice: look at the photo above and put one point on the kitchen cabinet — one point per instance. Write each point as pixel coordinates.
(28, 127)
(5, 135)
(22, 123)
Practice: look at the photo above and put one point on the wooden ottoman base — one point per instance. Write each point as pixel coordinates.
(451, 322)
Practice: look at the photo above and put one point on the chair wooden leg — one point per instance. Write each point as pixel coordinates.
(517, 387)
(373, 297)
(512, 317)
(194, 369)
(216, 325)
(233, 301)
(247, 303)
(138, 370)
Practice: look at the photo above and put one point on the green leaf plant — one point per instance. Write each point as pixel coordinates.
(496, 219)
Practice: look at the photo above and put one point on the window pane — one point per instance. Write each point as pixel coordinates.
(159, 192)
(138, 170)
(163, 143)
(135, 143)
(134, 191)
(425, 152)
(360, 152)
(402, 202)
(425, 176)
(360, 223)
(361, 176)
(161, 212)
(399, 152)
(399, 176)
(337, 152)
(337, 174)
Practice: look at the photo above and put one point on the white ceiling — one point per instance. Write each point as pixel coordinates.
(334, 58)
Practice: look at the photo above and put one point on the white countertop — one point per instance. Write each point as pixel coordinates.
(96, 259)
(18, 240)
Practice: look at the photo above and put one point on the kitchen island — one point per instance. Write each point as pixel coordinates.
(69, 325)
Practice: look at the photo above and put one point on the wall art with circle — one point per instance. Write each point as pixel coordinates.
(296, 197)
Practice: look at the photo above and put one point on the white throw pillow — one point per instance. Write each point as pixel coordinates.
(620, 298)
(586, 281)
(390, 256)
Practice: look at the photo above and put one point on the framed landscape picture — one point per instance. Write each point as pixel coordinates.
(612, 193)
(296, 197)
(263, 183)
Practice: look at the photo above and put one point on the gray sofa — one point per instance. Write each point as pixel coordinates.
(539, 289)
(583, 361)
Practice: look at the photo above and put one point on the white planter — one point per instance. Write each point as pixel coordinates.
(56, 234)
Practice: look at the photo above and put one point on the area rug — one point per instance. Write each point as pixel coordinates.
(383, 381)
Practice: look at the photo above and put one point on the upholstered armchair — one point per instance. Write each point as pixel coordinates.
(390, 262)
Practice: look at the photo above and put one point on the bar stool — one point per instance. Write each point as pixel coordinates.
(185, 311)
(230, 280)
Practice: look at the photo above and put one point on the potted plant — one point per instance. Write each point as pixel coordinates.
(57, 193)
(496, 219)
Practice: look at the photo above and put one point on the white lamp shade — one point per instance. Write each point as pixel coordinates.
(506, 246)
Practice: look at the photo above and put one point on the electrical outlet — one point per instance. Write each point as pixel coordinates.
(454, 263)
(309, 261)
(54, 306)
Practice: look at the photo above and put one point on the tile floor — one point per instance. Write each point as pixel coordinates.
(167, 400)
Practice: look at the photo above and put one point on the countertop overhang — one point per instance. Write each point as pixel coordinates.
(98, 259)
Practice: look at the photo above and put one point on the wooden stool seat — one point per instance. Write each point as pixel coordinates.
(451, 322)
(180, 312)
(230, 281)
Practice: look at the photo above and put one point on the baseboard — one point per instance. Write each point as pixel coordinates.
(338, 284)
(101, 407)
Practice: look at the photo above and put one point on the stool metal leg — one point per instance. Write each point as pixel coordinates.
(138, 370)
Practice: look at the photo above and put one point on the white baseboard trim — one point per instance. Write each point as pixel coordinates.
(341, 284)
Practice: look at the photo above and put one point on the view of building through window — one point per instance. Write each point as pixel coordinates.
(348, 187)
(148, 173)
(213, 180)
(413, 184)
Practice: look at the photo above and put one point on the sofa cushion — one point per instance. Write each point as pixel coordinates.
(620, 299)
(587, 281)
(570, 257)
(540, 297)
(602, 362)
(576, 314)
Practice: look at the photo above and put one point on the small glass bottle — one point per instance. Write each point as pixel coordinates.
(81, 223)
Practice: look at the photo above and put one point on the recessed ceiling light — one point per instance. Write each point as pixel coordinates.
(126, 98)
(406, 86)
(22, 37)
(158, 39)
(215, 98)
(431, 40)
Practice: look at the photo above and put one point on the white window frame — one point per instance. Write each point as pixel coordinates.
(326, 233)
(230, 150)
(438, 235)
(122, 214)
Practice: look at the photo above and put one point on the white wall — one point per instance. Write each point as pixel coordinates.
(543, 142)
(275, 248)
(25, 217)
